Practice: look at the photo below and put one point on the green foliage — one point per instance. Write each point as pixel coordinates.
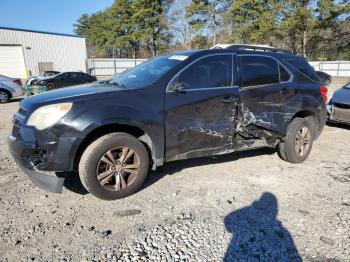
(318, 29)
(205, 16)
(252, 21)
(127, 25)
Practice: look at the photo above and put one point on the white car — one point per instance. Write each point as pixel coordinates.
(10, 88)
(33, 79)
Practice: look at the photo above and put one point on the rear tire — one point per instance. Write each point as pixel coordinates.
(298, 141)
(123, 177)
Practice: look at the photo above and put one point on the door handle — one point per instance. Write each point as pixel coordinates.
(228, 99)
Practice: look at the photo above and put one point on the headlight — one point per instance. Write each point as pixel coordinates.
(47, 116)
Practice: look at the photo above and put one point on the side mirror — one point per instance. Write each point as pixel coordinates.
(176, 86)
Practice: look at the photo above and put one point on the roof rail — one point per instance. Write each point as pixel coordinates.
(252, 47)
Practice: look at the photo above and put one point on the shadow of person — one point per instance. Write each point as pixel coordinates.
(257, 235)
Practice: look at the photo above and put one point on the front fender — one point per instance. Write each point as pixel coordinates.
(86, 121)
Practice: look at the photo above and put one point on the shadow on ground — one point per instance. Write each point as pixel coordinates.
(339, 125)
(257, 235)
(18, 99)
(177, 166)
(72, 181)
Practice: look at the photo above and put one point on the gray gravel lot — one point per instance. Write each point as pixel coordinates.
(248, 206)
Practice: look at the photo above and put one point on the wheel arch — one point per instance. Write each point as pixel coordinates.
(307, 112)
(94, 134)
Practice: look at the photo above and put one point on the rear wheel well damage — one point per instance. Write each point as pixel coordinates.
(111, 128)
(310, 116)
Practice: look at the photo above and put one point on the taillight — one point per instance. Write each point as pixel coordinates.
(17, 82)
(94, 77)
(323, 91)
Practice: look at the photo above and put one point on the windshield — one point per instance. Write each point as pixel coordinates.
(148, 72)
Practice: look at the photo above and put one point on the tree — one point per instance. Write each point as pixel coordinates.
(179, 26)
(296, 16)
(330, 30)
(251, 21)
(205, 15)
(150, 23)
(127, 26)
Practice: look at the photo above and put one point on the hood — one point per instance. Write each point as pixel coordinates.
(341, 96)
(68, 94)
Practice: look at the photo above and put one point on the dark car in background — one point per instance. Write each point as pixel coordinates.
(338, 107)
(177, 106)
(66, 79)
(324, 77)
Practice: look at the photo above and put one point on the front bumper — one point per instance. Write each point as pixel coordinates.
(24, 154)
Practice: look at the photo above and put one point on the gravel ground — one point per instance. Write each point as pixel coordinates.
(248, 206)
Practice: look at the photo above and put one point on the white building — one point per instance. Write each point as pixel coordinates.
(27, 52)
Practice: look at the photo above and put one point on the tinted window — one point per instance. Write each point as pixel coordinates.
(212, 71)
(259, 70)
(69, 75)
(304, 68)
(74, 75)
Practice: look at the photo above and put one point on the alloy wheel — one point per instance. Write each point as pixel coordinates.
(4, 97)
(302, 141)
(118, 168)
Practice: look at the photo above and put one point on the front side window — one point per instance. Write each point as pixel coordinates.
(209, 72)
(259, 70)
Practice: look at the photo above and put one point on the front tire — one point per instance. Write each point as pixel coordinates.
(114, 166)
(298, 141)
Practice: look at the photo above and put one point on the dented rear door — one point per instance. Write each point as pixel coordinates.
(200, 116)
(268, 97)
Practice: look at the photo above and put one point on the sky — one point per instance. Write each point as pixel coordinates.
(57, 16)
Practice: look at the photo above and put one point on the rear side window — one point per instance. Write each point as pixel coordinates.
(209, 72)
(302, 66)
(259, 70)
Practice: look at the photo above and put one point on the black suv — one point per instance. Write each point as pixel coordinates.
(176, 106)
(65, 79)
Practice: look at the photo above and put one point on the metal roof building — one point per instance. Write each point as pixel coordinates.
(27, 52)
